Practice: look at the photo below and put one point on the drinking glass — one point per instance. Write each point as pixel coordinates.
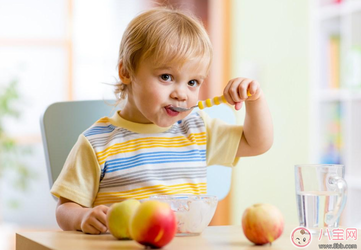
(321, 194)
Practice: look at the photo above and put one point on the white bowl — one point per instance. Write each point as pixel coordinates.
(193, 212)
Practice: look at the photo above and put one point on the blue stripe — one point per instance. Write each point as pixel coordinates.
(153, 157)
(114, 166)
(149, 157)
(97, 130)
(157, 154)
(151, 162)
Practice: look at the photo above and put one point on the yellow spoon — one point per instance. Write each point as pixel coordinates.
(206, 103)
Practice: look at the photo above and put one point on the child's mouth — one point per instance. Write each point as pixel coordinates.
(170, 111)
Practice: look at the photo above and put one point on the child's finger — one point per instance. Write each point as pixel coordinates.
(252, 89)
(238, 105)
(98, 225)
(234, 90)
(90, 229)
(102, 217)
(226, 93)
(243, 89)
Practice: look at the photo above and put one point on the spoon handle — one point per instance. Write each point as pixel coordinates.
(214, 101)
(211, 101)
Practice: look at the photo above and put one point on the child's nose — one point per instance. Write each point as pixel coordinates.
(179, 94)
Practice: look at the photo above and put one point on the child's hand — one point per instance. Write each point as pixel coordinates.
(94, 220)
(239, 90)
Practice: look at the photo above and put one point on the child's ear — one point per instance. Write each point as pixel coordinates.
(123, 74)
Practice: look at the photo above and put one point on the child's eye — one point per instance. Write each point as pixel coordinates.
(166, 77)
(193, 83)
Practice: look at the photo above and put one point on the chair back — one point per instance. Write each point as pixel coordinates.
(63, 122)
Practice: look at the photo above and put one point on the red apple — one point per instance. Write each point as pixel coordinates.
(153, 224)
(262, 223)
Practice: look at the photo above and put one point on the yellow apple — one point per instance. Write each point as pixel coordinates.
(118, 218)
(262, 223)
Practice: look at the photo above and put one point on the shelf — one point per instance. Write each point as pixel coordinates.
(335, 85)
(329, 12)
(329, 95)
(350, 7)
(333, 11)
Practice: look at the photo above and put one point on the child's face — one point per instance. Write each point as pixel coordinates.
(154, 89)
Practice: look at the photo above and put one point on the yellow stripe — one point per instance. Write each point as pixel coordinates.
(146, 192)
(102, 199)
(116, 150)
(160, 140)
(151, 142)
(122, 198)
(144, 144)
(142, 195)
(103, 120)
(154, 188)
(115, 199)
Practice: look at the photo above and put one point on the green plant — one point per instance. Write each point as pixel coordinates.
(12, 154)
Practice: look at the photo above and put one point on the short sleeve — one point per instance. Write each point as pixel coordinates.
(222, 141)
(79, 178)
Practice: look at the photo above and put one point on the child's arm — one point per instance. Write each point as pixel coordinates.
(257, 135)
(72, 216)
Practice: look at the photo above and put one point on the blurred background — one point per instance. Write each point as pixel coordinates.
(305, 54)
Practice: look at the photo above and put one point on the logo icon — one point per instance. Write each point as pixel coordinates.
(301, 237)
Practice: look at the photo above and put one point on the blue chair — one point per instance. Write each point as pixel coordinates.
(63, 122)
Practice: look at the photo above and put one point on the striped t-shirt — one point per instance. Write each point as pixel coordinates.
(116, 159)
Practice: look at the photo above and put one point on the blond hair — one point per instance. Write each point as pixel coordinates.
(166, 35)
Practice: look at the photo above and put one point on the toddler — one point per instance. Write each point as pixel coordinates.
(147, 147)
